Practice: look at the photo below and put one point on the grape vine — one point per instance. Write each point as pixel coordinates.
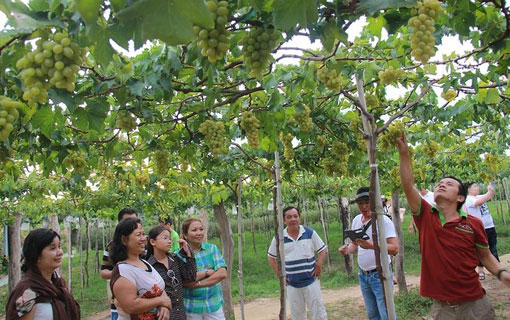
(55, 61)
(422, 23)
(214, 42)
(214, 132)
(250, 125)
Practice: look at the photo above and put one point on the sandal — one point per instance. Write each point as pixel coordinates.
(481, 275)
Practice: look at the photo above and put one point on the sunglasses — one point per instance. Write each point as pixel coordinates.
(171, 274)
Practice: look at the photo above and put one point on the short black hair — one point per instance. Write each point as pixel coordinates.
(166, 220)
(34, 244)
(118, 250)
(290, 208)
(468, 185)
(124, 211)
(462, 190)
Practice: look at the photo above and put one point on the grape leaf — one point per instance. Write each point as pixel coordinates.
(89, 10)
(287, 14)
(373, 6)
(43, 119)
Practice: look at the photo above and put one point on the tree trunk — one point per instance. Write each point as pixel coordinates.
(505, 195)
(80, 250)
(501, 211)
(278, 225)
(325, 230)
(399, 258)
(380, 248)
(344, 218)
(87, 247)
(14, 247)
(205, 222)
(252, 212)
(227, 242)
(97, 264)
(240, 246)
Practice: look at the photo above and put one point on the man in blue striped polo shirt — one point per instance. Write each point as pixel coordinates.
(301, 268)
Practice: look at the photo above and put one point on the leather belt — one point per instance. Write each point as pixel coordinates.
(448, 303)
(368, 271)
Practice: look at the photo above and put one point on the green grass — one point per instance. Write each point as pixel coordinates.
(259, 280)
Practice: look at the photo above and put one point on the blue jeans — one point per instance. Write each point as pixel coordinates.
(371, 288)
(115, 315)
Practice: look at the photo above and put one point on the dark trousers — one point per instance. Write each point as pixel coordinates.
(492, 237)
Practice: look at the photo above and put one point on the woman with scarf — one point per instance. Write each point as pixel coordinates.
(41, 292)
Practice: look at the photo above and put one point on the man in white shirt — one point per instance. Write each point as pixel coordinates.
(370, 283)
(302, 270)
(476, 205)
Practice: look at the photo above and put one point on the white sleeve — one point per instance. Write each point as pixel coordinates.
(125, 271)
(271, 252)
(470, 202)
(318, 244)
(389, 227)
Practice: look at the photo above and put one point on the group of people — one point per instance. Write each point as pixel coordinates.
(162, 276)
(179, 276)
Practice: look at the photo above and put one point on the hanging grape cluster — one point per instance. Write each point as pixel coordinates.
(330, 78)
(214, 42)
(449, 95)
(250, 125)
(288, 150)
(166, 183)
(356, 126)
(337, 163)
(76, 161)
(492, 162)
(8, 114)
(485, 177)
(257, 46)
(161, 159)
(422, 24)
(390, 75)
(126, 121)
(389, 137)
(431, 149)
(303, 119)
(142, 179)
(322, 141)
(54, 62)
(214, 132)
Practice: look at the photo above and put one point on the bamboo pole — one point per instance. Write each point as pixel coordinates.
(278, 211)
(240, 246)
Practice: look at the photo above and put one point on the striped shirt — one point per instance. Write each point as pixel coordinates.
(206, 299)
(299, 255)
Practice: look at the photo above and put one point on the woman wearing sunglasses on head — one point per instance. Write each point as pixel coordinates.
(174, 268)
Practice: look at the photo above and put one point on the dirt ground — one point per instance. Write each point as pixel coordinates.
(347, 303)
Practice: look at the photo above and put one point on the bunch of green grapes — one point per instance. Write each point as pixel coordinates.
(485, 177)
(395, 176)
(449, 95)
(333, 167)
(214, 132)
(390, 75)
(431, 149)
(337, 163)
(142, 179)
(372, 102)
(54, 62)
(214, 41)
(8, 114)
(303, 119)
(322, 141)
(492, 162)
(184, 190)
(166, 183)
(257, 46)
(161, 159)
(184, 164)
(250, 125)
(126, 121)
(356, 126)
(288, 150)
(422, 27)
(75, 161)
(389, 137)
(330, 78)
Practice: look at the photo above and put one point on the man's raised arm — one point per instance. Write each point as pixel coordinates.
(406, 175)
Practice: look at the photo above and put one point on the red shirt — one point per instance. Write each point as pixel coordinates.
(448, 252)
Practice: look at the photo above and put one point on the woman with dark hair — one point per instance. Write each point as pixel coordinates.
(138, 289)
(203, 298)
(174, 268)
(41, 293)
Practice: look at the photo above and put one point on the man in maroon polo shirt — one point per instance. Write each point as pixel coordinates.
(450, 242)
